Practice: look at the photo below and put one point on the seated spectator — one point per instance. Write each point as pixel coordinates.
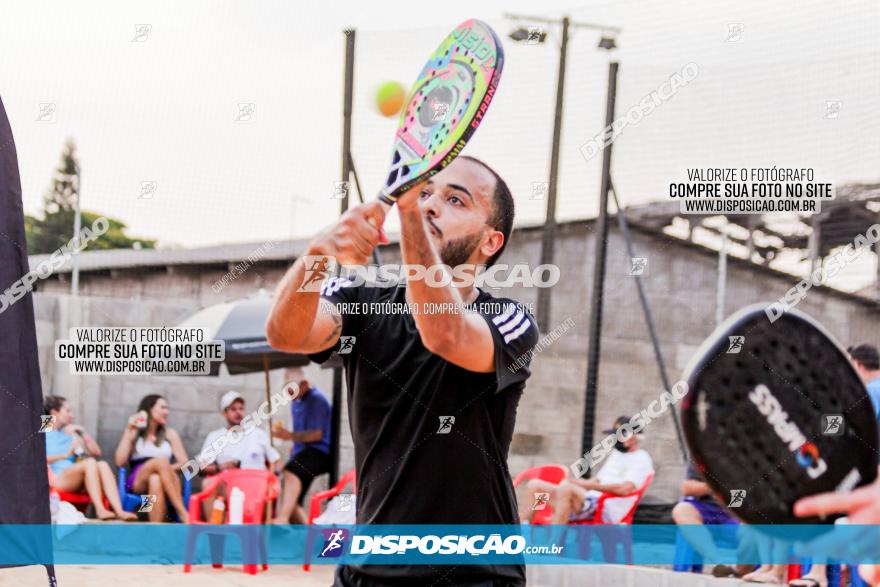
(866, 361)
(73, 454)
(252, 449)
(310, 455)
(697, 508)
(147, 447)
(626, 469)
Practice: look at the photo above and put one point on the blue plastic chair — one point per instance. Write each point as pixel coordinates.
(132, 501)
(687, 560)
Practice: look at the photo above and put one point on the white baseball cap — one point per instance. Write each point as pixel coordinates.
(228, 398)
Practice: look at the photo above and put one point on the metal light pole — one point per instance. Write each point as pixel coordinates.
(336, 409)
(599, 268)
(548, 237)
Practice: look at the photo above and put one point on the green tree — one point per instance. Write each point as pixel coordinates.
(55, 228)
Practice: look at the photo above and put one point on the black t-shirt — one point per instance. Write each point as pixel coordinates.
(430, 438)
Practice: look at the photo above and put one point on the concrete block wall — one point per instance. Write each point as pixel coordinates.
(680, 281)
(103, 403)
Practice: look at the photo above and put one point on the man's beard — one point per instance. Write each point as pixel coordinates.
(456, 252)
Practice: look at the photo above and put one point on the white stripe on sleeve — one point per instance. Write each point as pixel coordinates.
(516, 333)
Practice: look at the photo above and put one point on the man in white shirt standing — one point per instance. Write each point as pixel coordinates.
(625, 470)
(252, 451)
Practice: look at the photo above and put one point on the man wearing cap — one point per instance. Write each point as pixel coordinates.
(310, 455)
(250, 451)
(626, 469)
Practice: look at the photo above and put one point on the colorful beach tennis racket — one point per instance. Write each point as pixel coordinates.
(775, 412)
(446, 105)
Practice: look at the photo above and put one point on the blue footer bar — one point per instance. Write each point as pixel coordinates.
(139, 544)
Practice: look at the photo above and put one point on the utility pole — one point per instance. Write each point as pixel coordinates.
(599, 269)
(336, 409)
(548, 236)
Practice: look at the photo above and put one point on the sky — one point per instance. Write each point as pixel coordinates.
(152, 92)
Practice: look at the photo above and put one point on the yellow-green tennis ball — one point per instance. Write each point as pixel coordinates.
(389, 98)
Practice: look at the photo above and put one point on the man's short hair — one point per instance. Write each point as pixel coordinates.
(501, 216)
(53, 402)
(866, 355)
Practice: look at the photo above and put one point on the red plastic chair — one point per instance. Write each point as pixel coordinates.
(260, 489)
(315, 508)
(626, 519)
(80, 501)
(624, 537)
(555, 474)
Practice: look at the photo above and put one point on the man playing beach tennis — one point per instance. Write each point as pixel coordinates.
(432, 395)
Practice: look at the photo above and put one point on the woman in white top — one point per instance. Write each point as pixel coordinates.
(147, 447)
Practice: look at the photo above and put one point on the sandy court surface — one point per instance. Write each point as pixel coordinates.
(322, 576)
(162, 575)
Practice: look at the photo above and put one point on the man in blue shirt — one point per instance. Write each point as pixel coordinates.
(310, 455)
(866, 360)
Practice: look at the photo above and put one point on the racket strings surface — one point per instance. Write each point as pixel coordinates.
(445, 105)
(750, 459)
(735, 444)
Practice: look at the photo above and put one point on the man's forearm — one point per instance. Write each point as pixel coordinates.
(419, 250)
(615, 488)
(293, 312)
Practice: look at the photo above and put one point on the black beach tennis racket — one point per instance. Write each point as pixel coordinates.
(776, 412)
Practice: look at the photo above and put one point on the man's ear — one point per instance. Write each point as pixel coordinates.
(493, 242)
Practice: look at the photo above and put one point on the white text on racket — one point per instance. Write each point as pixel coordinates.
(785, 429)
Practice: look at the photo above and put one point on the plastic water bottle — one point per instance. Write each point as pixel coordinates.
(218, 510)
(236, 506)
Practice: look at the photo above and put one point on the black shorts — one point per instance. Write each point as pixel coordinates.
(306, 465)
